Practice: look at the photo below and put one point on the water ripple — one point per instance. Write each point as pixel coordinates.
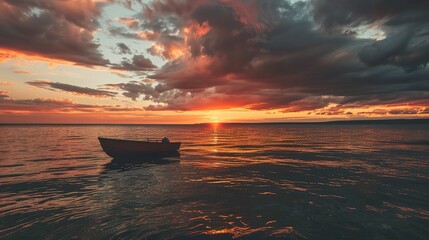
(231, 181)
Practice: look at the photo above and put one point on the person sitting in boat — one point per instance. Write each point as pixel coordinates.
(165, 140)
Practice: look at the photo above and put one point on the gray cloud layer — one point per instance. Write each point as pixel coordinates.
(72, 88)
(258, 54)
(137, 63)
(265, 54)
(55, 105)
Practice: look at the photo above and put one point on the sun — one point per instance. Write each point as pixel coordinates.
(215, 123)
(213, 119)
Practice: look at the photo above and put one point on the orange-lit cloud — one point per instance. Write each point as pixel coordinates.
(60, 30)
(7, 54)
(148, 35)
(168, 49)
(196, 30)
(132, 23)
(292, 58)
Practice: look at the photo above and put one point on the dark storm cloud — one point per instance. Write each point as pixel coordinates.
(53, 29)
(407, 48)
(135, 89)
(338, 13)
(293, 56)
(71, 88)
(123, 48)
(406, 23)
(258, 54)
(82, 13)
(137, 63)
(157, 93)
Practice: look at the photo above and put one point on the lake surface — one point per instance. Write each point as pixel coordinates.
(269, 181)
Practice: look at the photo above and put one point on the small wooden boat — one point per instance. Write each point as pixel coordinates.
(119, 148)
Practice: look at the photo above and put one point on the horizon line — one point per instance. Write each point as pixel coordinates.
(205, 123)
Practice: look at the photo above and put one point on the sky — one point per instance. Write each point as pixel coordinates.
(196, 61)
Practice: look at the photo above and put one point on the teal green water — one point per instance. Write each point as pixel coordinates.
(232, 181)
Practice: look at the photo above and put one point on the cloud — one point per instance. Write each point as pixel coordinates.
(5, 83)
(21, 72)
(8, 104)
(135, 89)
(288, 56)
(405, 22)
(335, 14)
(123, 48)
(131, 23)
(3, 94)
(60, 110)
(41, 104)
(398, 111)
(123, 32)
(292, 56)
(53, 86)
(52, 29)
(138, 63)
(168, 47)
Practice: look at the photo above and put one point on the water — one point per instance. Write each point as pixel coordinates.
(232, 181)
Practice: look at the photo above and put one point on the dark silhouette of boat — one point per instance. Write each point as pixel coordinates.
(120, 149)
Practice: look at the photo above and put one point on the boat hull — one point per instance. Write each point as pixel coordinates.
(117, 148)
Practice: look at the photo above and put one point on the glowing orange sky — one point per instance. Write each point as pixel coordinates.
(205, 61)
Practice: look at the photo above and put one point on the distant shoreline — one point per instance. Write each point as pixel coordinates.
(339, 122)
